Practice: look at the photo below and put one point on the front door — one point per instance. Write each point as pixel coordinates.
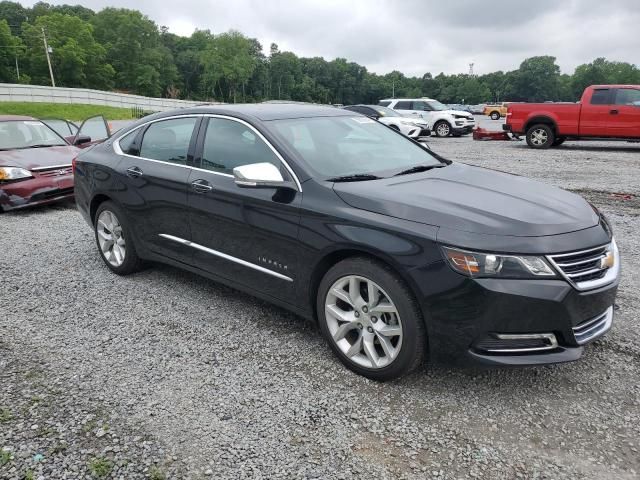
(246, 235)
(624, 115)
(155, 166)
(594, 115)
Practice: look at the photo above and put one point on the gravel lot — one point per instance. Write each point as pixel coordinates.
(167, 375)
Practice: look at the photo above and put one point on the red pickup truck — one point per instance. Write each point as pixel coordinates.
(604, 112)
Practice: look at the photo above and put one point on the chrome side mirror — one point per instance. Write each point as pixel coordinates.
(260, 175)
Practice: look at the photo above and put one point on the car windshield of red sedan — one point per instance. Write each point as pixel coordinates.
(18, 134)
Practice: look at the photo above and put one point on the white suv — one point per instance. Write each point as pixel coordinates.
(442, 120)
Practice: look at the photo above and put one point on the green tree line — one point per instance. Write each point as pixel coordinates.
(122, 49)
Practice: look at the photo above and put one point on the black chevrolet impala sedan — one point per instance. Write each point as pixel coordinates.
(398, 254)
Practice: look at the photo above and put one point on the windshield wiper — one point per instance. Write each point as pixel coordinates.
(420, 168)
(358, 177)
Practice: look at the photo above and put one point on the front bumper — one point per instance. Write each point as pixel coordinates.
(465, 315)
(44, 187)
(463, 127)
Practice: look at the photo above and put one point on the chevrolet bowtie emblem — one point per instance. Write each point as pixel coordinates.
(607, 261)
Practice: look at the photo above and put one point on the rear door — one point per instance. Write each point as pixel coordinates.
(624, 115)
(594, 115)
(155, 165)
(246, 235)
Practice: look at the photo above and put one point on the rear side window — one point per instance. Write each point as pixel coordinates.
(229, 144)
(168, 140)
(384, 104)
(421, 106)
(403, 106)
(600, 97)
(628, 96)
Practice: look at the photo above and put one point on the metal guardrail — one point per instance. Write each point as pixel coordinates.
(10, 92)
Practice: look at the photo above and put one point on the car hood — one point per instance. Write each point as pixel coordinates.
(473, 199)
(458, 112)
(31, 158)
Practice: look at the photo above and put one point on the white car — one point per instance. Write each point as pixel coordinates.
(411, 127)
(442, 120)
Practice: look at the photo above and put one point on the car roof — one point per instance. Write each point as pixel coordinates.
(404, 99)
(261, 111)
(14, 118)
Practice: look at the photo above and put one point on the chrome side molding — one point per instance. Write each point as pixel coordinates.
(239, 261)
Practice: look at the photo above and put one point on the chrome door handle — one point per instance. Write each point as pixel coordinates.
(134, 172)
(201, 186)
(613, 112)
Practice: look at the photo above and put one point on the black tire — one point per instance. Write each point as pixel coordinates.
(540, 136)
(442, 128)
(412, 347)
(558, 141)
(495, 115)
(131, 263)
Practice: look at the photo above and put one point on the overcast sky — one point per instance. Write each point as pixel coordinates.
(415, 36)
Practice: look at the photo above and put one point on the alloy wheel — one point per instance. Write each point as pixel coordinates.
(111, 238)
(443, 130)
(363, 322)
(539, 136)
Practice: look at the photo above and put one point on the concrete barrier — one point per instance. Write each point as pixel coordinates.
(10, 92)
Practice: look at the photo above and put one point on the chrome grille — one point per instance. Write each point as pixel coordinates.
(56, 172)
(594, 327)
(588, 268)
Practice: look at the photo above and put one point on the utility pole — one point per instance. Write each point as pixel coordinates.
(46, 51)
(393, 89)
(17, 68)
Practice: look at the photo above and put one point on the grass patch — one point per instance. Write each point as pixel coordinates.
(156, 474)
(29, 475)
(5, 457)
(69, 111)
(100, 467)
(5, 415)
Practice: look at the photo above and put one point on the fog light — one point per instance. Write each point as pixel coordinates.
(517, 343)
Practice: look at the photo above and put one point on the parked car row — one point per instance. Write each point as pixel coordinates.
(411, 127)
(442, 120)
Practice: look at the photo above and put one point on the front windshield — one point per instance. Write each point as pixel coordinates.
(385, 112)
(340, 146)
(436, 105)
(16, 134)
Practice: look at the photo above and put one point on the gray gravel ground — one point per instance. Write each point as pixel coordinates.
(167, 375)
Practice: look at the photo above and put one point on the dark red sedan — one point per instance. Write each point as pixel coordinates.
(36, 157)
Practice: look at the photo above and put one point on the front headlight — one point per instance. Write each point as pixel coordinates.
(14, 173)
(476, 264)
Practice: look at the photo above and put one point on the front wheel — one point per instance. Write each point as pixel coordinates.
(115, 240)
(495, 115)
(540, 136)
(370, 319)
(442, 128)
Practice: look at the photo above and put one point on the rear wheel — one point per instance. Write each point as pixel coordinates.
(540, 136)
(495, 115)
(442, 128)
(114, 239)
(370, 319)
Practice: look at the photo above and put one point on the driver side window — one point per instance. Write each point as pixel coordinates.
(229, 144)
